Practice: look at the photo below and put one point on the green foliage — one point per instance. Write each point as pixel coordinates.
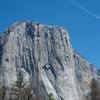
(28, 93)
(51, 97)
(94, 89)
(19, 82)
(19, 86)
(2, 92)
(21, 90)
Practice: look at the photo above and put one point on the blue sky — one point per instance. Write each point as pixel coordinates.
(80, 17)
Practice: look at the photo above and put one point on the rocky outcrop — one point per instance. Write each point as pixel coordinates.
(47, 60)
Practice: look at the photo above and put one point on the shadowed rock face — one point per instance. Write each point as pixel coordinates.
(45, 56)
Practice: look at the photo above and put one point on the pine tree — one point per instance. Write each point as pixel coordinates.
(51, 97)
(2, 92)
(94, 89)
(19, 85)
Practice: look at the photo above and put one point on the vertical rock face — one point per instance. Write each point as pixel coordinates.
(85, 73)
(45, 57)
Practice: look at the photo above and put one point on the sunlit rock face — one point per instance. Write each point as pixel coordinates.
(46, 58)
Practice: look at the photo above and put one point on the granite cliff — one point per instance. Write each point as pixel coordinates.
(44, 56)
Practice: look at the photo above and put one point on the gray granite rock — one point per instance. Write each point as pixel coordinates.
(46, 58)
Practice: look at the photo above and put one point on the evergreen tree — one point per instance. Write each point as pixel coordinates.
(94, 89)
(51, 97)
(2, 92)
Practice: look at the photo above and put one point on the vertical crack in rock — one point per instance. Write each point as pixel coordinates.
(1, 50)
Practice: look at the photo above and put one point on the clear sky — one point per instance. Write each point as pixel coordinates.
(80, 17)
